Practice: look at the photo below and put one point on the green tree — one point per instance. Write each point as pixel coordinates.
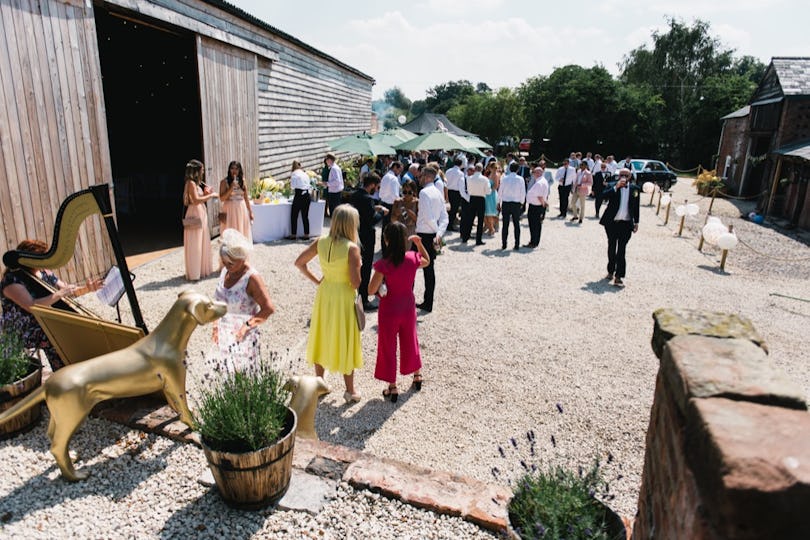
(491, 115)
(687, 67)
(441, 98)
(396, 98)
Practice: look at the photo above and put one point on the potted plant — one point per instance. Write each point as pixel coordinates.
(248, 435)
(20, 374)
(707, 182)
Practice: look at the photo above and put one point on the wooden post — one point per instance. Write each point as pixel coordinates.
(714, 194)
(683, 217)
(725, 253)
(666, 219)
(705, 221)
(652, 195)
(660, 194)
(774, 186)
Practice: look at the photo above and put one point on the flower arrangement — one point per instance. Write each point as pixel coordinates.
(556, 500)
(350, 171)
(706, 182)
(15, 360)
(267, 185)
(243, 409)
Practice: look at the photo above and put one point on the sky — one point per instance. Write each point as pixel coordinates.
(419, 44)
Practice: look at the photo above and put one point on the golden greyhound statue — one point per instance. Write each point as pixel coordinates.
(306, 389)
(153, 363)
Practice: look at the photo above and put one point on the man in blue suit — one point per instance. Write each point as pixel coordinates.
(620, 221)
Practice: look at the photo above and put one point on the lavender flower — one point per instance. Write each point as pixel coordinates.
(559, 408)
(553, 441)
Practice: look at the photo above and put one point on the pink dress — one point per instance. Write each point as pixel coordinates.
(397, 318)
(237, 354)
(197, 243)
(236, 213)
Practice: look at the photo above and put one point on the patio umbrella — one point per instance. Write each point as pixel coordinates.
(393, 136)
(478, 143)
(362, 144)
(438, 140)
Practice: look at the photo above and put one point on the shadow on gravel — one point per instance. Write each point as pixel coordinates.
(208, 516)
(171, 283)
(600, 287)
(352, 425)
(713, 270)
(41, 492)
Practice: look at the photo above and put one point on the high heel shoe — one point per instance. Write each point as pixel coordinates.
(351, 398)
(417, 382)
(391, 393)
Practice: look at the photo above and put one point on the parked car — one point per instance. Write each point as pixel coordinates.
(525, 145)
(650, 170)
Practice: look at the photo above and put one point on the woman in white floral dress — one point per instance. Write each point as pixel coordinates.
(243, 289)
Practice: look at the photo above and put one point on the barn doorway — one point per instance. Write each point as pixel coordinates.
(152, 99)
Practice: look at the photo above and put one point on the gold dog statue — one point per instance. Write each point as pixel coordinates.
(306, 389)
(153, 363)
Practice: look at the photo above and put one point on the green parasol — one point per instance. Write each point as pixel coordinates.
(361, 144)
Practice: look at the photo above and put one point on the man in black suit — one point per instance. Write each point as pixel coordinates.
(620, 221)
(601, 179)
(370, 214)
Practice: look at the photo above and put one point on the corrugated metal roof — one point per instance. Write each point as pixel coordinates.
(799, 150)
(794, 74)
(739, 113)
(244, 15)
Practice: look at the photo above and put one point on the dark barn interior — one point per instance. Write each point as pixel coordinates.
(151, 95)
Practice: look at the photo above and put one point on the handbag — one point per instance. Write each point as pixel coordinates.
(192, 222)
(359, 312)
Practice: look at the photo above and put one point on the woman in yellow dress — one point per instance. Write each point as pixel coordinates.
(334, 337)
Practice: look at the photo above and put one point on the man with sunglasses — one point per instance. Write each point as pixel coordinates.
(620, 221)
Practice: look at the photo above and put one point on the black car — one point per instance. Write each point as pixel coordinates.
(650, 170)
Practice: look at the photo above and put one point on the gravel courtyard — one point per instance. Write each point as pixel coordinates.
(514, 338)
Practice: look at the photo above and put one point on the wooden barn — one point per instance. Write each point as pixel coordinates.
(764, 148)
(125, 92)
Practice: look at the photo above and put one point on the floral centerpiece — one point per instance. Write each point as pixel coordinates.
(707, 182)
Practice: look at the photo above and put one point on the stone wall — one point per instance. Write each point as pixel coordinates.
(728, 445)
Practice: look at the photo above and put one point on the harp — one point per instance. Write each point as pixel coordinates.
(76, 332)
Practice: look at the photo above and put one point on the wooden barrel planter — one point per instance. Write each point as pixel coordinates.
(15, 392)
(254, 480)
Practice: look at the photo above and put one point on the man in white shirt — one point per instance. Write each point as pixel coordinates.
(612, 166)
(389, 192)
(511, 196)
(620, 221)
(477, 189)
(565, 177)
(334, 185)
(455, 180)
(431, 222)
(537, 198)
(488, 157)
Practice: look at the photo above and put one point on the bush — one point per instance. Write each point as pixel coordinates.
(15, 362)
(243, 412)
(559, 503)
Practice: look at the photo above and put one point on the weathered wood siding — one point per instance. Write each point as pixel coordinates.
(302, 105)
(53, 130)
(228, 82)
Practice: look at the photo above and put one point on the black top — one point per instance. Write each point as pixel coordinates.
(364, 202)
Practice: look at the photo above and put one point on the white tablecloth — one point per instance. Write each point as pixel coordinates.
(272, 221)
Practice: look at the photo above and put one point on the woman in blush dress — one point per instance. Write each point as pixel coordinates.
(397, 315)
(249, 305)
(197, 238)
(235, 203)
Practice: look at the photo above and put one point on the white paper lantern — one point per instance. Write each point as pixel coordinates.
(692, 209)
(665, 200)
(727, 240)
(648, 187)
(401, 119)
(714, 219)
(680, 210)
(712, 231)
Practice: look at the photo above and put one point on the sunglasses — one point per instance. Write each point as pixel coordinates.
(407, 192)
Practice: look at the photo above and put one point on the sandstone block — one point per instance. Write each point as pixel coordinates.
(676, 322)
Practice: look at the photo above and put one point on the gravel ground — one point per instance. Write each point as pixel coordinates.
(512, 336)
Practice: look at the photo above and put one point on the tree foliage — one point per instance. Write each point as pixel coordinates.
(698, 80)
(491, 116)
(396, 98)
(443, 97)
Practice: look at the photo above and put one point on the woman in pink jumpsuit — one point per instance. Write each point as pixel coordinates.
(397, 312)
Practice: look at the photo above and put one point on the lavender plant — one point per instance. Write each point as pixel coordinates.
(242, 409)
(15, 361)
(553, 500)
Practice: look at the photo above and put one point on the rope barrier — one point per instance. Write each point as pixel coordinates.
(791, 297)
(752, 197)
(772, 257)
(669, 166)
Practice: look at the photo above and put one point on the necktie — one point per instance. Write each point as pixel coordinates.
(565, 175)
